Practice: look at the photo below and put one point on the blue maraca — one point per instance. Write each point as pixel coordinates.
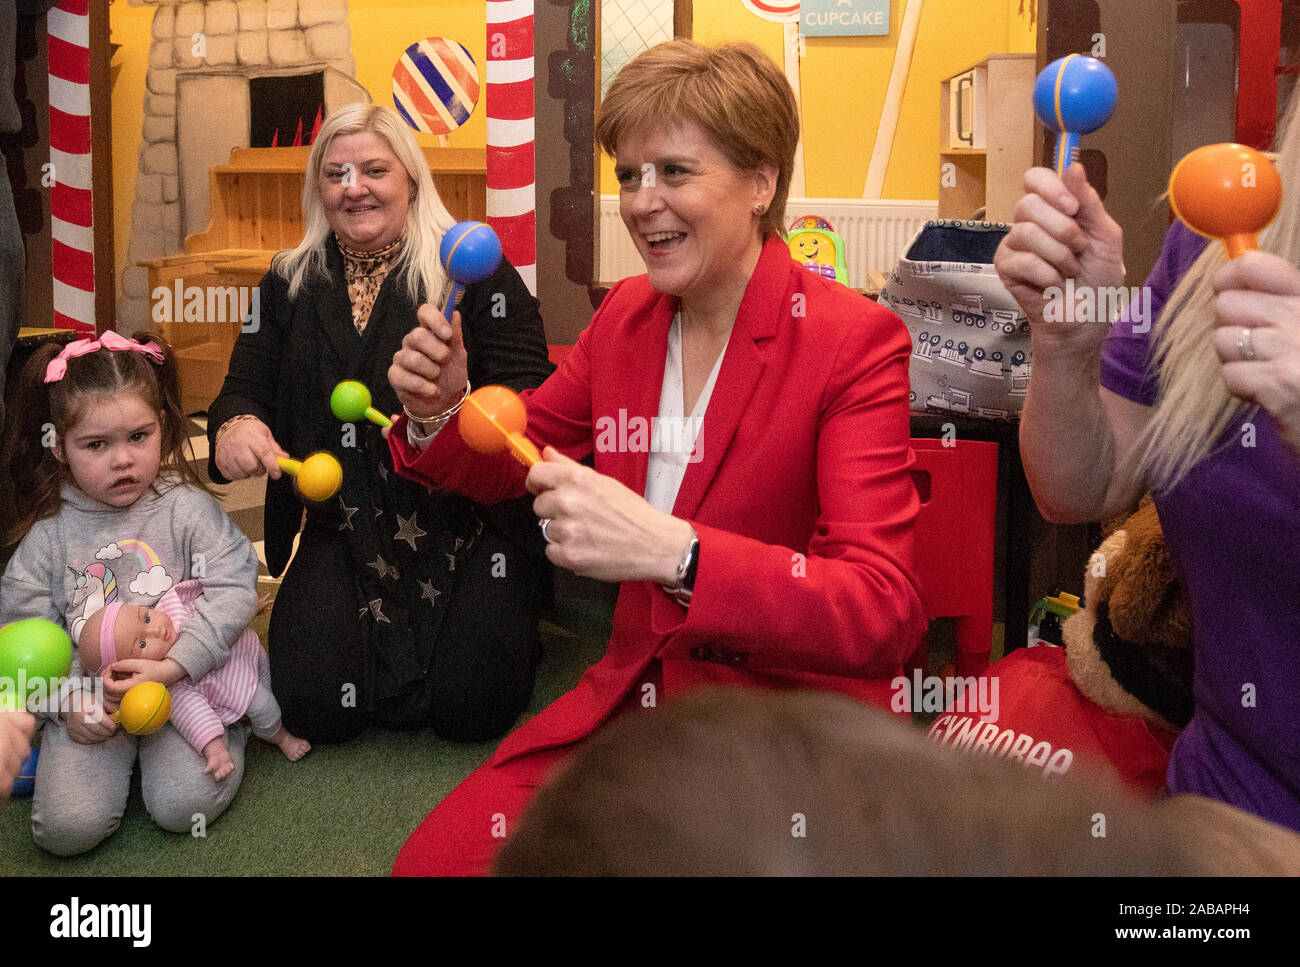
(1074, 96)
(470, 252)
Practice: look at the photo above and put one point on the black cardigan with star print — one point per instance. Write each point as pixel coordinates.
(404, 541)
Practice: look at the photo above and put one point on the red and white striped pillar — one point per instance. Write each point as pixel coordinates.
(72, 224)
(511, 180)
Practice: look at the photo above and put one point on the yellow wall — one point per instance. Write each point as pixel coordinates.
(129, 26)
(381, 30)
(843, 82)
(844, 79)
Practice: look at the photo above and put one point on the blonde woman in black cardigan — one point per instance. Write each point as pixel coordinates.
(400, 608)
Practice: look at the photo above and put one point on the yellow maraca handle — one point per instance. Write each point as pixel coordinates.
(374, 416)
(523, 449)
(288, 465)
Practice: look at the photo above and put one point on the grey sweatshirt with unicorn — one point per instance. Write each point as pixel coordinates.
(90, 554)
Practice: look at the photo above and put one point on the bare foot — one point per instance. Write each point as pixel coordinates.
(219, 764)
(293, 747)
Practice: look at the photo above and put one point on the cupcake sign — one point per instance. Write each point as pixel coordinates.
(844, 18)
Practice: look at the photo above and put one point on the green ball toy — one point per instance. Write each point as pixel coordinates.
(350, 402)
(32, 652)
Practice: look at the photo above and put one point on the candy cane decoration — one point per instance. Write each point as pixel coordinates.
(72, 224)
(511, 180)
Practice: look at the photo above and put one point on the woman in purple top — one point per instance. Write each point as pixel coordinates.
(1197, 401)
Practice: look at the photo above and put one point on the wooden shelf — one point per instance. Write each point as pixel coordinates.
(990, 178)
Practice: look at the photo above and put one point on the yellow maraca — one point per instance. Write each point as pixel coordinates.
(319, 476)
(145, 708)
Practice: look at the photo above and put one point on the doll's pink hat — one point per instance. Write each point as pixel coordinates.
(107, 636)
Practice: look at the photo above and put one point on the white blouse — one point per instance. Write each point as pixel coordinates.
(674, 441)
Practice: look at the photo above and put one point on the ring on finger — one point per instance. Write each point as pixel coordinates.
(1245, 349)
(543, 524)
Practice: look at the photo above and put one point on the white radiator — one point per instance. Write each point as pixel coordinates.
(875, 233)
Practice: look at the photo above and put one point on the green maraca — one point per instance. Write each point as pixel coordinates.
(350, 402)
(32, 653)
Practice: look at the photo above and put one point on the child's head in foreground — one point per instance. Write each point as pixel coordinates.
(737, 782)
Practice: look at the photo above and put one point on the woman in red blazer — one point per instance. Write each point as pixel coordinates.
(749, 426)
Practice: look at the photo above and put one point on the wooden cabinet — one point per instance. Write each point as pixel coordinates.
(993, 101)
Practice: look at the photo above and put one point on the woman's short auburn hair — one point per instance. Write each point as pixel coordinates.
(734, 92)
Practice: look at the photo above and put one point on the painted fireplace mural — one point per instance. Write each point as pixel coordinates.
(224, 75)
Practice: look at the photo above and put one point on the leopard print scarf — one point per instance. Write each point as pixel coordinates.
(365, 273)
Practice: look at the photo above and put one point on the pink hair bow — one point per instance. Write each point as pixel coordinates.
(109, 340)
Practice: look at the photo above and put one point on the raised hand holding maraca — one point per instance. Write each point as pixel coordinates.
(1061, 231)
(431, 370)
(1231, 192)
(1257, 335)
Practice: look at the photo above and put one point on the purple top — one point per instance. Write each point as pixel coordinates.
(1233, 529)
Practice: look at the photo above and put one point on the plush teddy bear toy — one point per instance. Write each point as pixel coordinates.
(1130, 648)
(1116, 695)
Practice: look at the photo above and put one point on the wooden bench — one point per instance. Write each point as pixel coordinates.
(256, 210)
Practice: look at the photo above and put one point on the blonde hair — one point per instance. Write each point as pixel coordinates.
(427, 219)
(734, 92)
(1193, 407)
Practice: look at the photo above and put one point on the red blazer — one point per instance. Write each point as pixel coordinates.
(802, 496)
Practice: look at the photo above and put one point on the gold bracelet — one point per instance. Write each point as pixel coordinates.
(431, 424)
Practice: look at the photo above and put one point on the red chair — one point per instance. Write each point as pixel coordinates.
(957, 484)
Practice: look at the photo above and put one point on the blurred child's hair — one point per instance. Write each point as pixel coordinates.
(28, 457)
(737, 782)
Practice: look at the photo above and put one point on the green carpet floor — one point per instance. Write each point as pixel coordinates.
(343, 810)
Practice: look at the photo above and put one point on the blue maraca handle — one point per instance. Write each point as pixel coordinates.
(1067, 151)
(452, 295)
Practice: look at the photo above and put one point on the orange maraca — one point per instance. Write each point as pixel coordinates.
(1226, 191)
(319, 476)
(493, 419)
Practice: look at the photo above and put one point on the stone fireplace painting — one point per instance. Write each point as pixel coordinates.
(226, 74)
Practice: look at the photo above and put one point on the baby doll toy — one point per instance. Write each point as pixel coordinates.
(200, 710)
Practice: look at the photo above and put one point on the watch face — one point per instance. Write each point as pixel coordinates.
(692, 561)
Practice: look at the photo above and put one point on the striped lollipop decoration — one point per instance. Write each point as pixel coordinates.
(435, 85)
(779, 11)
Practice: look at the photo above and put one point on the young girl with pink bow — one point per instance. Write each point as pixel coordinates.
(111, 511)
